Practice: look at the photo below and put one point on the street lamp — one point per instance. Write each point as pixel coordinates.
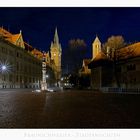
(47, 76)
(3, 68)
(47, 79)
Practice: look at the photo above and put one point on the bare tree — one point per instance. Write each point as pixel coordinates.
(76, 52)
(111, 48)
(113, 43)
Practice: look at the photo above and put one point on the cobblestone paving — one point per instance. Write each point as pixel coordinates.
(68, 109)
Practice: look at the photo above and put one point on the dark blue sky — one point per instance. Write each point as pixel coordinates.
(38, 24)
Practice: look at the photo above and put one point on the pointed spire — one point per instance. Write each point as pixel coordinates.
(96, 39)
(51, 44)
(56, 38)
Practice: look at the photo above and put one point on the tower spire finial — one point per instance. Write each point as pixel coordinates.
(56, 38)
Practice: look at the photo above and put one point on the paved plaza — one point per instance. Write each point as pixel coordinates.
(68, 109)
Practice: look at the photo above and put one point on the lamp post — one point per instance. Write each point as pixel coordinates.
(47, 79)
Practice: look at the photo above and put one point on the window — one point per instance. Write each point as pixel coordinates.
(21, 56)
(20, 78)
(17, 78)
(17, 54)
(4, 50)
(17, 66)
(4, 78)
(131, 67)
(10, 78)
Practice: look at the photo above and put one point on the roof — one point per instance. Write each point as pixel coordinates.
(28, 47)
(12, 38)
(100, 60)
(15, 38)
(130, 51)
(100, 56)
(96, 39)
(8, 36)
(86, 61)
(37, 53)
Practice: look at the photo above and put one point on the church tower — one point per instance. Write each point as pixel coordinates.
(96, 47)
(56, 53)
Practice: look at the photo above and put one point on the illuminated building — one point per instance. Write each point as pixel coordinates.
(56, 53)
(53, 63)
(122, 73)
(96, 47)
(24, 62)
(85, 70)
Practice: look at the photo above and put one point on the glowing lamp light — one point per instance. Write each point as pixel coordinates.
(4, 68)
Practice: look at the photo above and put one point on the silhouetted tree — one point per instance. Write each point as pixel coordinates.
(74, 54)
(113, 43)
(111, 47)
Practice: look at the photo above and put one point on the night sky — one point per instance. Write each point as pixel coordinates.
(38, 24)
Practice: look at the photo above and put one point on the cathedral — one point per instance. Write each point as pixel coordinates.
(53, 58)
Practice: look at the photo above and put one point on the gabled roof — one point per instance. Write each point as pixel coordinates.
(17, 40)
(100, 60)
(12, 38)
(15, 37)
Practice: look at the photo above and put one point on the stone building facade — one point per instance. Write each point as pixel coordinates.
(23, 69)
(122, 73)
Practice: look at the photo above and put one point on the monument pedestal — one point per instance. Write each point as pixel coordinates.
(43, 86)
